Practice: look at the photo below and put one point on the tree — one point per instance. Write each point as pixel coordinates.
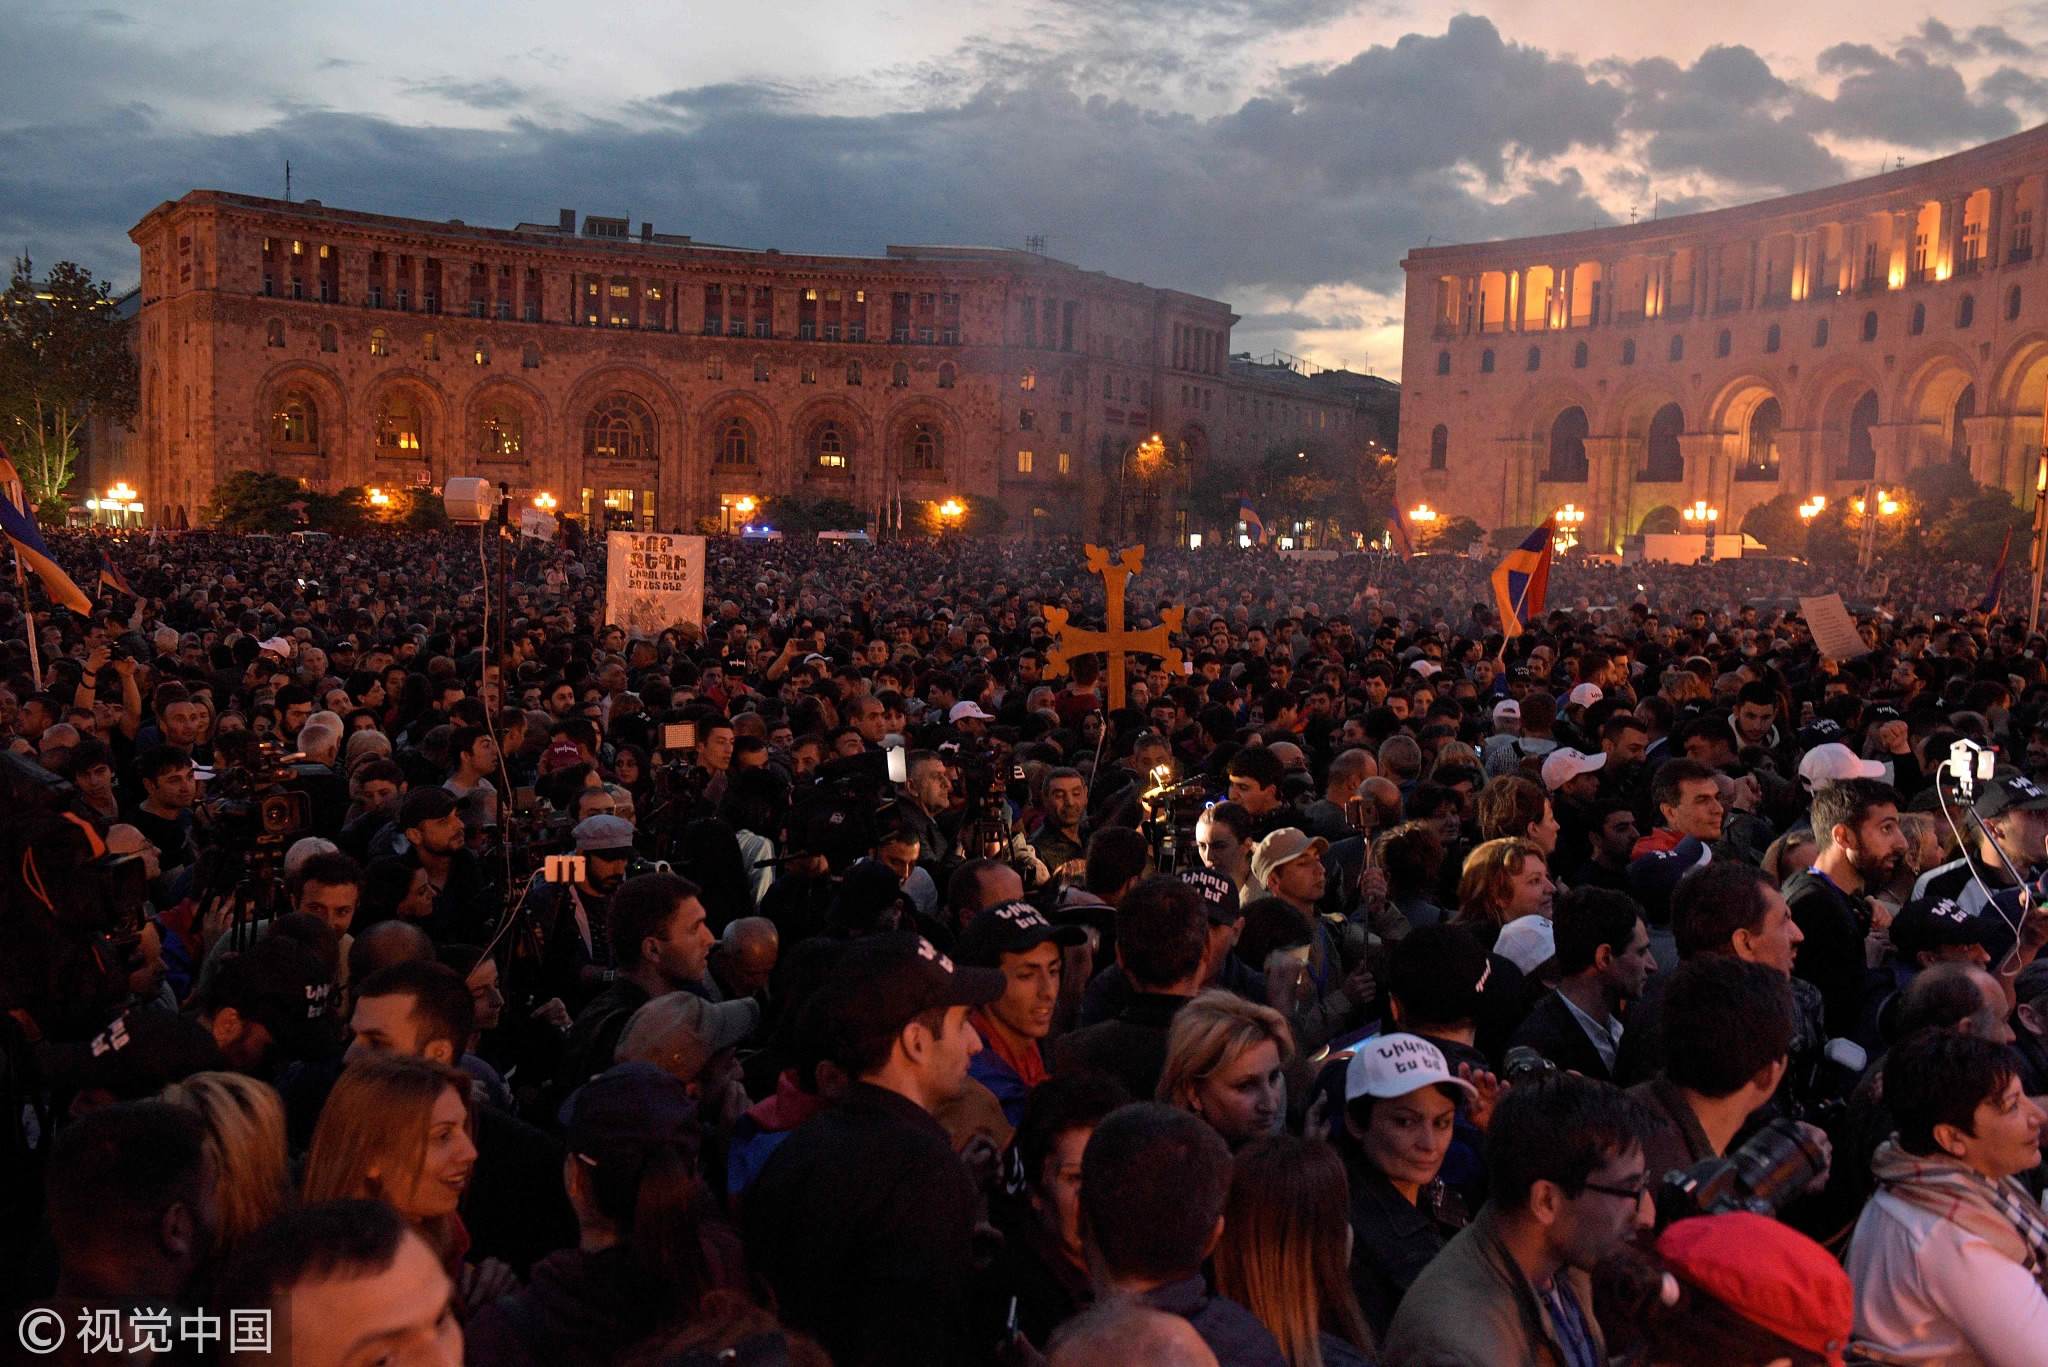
(1454, 536)
(1778, 525)
(803, 514)
(1974, 528)
(253, 501)
(64, 359)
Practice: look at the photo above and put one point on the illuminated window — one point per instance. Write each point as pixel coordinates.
(828, 446)
(1028, 380)
(296, 421)
(380, 343)
(1023, 462)
(1066, 463)
(501, 432)
(481, 352)
(400, 431)
(430, 347)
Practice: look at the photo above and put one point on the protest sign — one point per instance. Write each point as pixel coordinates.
(653, 581)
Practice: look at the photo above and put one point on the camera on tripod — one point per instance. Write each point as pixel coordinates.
(251, 803)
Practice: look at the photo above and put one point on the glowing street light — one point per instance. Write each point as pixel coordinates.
(544, 501)
(952, 509)
(1567, 521)
(1886, 504)
(1699, 514)
(1423, 513)
(378, 498)
(745, 505)
(1813, 508)
(122, 492)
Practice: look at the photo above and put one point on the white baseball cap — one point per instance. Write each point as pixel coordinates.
(1563, 764)
(1527, 942)
(1388, 1066)
(279, 646)
(1427, 668)
(1584, 695)
(1833, 762)
(967, 709)
(1506, 708)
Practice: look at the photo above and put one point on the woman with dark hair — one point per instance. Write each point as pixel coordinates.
(1284, 1249)
(652, 1248)
(630, 766)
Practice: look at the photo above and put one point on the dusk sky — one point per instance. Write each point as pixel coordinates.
(1278, 154)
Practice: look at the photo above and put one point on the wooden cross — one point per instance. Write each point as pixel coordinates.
(1115, 641)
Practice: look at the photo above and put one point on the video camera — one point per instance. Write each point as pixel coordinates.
(252, 805)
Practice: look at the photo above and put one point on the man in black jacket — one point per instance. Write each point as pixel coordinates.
(1603, 953)
(862, 1220)
(1162, 944)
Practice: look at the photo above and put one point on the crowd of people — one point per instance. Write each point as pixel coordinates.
(394, 948)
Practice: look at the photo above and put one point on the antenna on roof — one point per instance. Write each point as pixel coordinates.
(1035, 244)
(287, 180)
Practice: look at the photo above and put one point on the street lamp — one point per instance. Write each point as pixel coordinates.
(544, 501)
(2040, 540)
(1813, 508)
(1567, 520)
(951, 511)
(1423, 513)
(378, 498)
(1703, 518)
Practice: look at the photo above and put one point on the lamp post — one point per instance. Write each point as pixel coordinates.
(950, 514)
(2040, 539)
(1874, 504)
(1147, 456)
(1567, 520)
(1703, 518)
(544, 501)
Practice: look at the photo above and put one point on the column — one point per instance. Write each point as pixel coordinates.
(1951, 242)
(1512, 318)
(1994, 226)
(1902, 243)
(1561, 296)
(1750, 274)
(1852, 257)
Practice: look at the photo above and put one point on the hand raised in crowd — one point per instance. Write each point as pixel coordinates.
(1489, 1090)
(553, 1012)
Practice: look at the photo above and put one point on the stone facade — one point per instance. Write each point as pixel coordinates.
(662, 378)
(1810, 344)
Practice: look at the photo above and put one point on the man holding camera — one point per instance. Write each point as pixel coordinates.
(576, 951)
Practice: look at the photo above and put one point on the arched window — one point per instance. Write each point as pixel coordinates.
(1958, 425)
(1774, 337)
(1677, 348)
(1820, 333)
(947, 373)
(501, 431)
(853, 373)
(1760, 444)
(1486, 361)
(899, 376)
(735, 443)
(1966, 310)
(273, 332)
(760, 370)
(529, 356)
(296, 421)
(1568, 447)
(330, 338)
(2012, 304)
(400, 430)
(1535, 358)
(1579, 356)
(1663, 457)
(1870, 326)
(1724, 342)
(828, 448)
(380, 342)
(1628, 352)
(1439, 447)
(923, 452)
(1860, 460)
(480, 352)
(1443, 363)
(1918, 324)
(619, 428)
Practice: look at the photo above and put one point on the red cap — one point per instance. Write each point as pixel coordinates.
(1771, 1275)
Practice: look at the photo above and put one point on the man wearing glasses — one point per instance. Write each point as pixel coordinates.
(1568, 1185)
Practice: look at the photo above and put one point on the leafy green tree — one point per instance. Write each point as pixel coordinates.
(1454, 536)
(1778, 525)
(64, 359)
(254, 501)
(803, 514)
(1974, 529)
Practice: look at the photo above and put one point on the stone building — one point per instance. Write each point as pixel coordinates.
(651, 380)
(1812, 344)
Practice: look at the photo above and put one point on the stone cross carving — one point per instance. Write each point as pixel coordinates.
(1114, 641)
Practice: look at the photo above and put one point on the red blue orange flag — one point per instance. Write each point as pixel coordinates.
(1521, 582)
(19, 526)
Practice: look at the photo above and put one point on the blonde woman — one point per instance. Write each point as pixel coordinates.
(1286, 1248)
(1503, 880)
(396, 1129)
(1226, 1061)
(245, 1137)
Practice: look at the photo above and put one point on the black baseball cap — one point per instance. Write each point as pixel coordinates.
(883, 982)
(141, 1052)
(1012, 928)
(1219, 895)
(628, 1110)
(2011, 792)
(279, 984)
(1933, 923)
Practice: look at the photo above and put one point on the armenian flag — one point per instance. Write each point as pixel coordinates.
(1996, 590)
(1521, 582)
(1399, 531)
(1250, 517)
(112, 578)
(19, 526)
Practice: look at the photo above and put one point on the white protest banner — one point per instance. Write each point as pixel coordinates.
(537, 525)
(653, 581)
(1834, 630)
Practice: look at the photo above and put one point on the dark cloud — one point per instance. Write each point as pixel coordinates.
(1939, 38)
(1726, 116)
(1294, 320)
(1999, 43)
(1904, 99)
(2009, 85)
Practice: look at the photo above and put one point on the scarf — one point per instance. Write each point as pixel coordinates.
(2000, 1213)
(1028, 1063)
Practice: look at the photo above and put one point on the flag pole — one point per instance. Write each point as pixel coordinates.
(28, 613)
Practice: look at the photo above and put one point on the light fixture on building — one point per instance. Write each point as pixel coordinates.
(122, 492)
(544, 501)
(1422, 512)
(1699, 514)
